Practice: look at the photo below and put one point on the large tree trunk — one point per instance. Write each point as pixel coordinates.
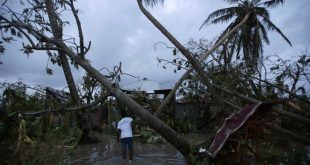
(56, 25)
(164, 130)
(69, 78)
(57, 30)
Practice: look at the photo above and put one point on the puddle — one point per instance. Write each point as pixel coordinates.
(108, 152)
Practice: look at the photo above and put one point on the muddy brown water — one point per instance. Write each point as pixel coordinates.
(108, 152)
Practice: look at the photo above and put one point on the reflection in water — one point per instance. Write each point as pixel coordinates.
(109, 152)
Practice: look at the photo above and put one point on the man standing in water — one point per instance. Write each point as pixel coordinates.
(124, 132)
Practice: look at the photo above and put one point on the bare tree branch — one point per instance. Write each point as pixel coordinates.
(44, 48)
(78, 23)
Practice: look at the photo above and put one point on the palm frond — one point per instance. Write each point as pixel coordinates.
(222, 19)
(246, 53)
(262, 12)
(246, 42)
(237, 41)
(153, 3)
(257, 45)
(218, 13)
(273, 3)
(239, 45)
(273, 27)
(232, 1)
(256, 2)
(229, 28)
(245, 33)
(263, 32)
(234, 43)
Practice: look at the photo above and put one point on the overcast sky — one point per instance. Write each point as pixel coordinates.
(119, 32)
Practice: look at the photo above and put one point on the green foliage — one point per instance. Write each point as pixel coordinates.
(150, 136)
(91, 87)
(17, 100)
(31, 139)
(63, 136)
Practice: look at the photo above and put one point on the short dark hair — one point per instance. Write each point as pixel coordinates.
(123, 113)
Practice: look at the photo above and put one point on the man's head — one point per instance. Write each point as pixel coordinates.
(123, 113)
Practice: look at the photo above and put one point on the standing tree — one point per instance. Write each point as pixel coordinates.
(251, 35)
(57, 29)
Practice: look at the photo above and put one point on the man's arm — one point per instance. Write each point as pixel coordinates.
(118, 134)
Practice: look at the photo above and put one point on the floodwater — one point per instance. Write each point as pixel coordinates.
(108, 152)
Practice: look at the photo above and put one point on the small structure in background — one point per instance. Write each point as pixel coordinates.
(57, 95)
(176, 108)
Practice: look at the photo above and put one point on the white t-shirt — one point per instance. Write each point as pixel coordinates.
(125, 126)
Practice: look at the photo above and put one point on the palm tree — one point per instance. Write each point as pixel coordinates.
(250, 36)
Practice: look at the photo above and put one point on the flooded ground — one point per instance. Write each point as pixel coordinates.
(108, 152)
